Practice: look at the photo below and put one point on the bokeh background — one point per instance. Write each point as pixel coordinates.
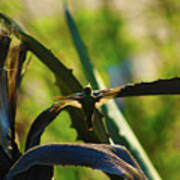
(128, 41)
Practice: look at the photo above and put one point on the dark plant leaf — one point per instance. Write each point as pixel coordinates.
(5, 129)
(159, 87)
(5, 126)
(39, 125)
(15, 63)
(115, 160)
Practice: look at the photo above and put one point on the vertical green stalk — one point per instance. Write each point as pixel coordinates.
(118, 128)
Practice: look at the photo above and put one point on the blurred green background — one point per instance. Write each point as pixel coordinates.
(128, 41)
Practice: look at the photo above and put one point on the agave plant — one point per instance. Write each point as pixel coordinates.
(38, 161)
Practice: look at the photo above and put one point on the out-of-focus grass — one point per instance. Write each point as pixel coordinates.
(155, 120)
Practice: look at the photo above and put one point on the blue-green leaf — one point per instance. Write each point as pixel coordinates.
(5, 127)
(110, 159)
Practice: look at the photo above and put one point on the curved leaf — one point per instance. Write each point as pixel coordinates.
(39, 125)
(115, 160)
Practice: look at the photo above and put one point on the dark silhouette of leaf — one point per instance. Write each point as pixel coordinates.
(15, 62)
(5, 125)
(111, 159)
(39, 125)
(159, 87)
